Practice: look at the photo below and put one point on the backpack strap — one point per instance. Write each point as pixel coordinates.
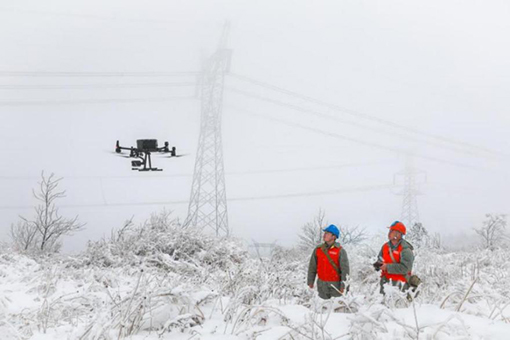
(333, 264)
(391, 255)
(391, 252)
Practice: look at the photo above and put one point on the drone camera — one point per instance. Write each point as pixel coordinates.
(136, 163)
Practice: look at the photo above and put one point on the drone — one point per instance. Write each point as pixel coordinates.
(143, 150)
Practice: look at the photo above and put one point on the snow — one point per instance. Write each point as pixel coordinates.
(151, 287)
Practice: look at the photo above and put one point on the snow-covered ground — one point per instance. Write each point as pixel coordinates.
(157, 281)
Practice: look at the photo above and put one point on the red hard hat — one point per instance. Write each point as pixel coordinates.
(398, 226)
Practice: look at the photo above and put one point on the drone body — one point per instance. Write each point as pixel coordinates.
(144, 149)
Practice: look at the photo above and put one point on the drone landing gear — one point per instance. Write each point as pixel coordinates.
(144, 158)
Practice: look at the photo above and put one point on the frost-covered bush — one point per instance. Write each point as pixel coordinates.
(160, 281)
(163, 243)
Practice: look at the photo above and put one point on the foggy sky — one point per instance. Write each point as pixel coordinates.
(424, 78)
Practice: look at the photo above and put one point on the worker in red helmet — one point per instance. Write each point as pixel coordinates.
(395, 258)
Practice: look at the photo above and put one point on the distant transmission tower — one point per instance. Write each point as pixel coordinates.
(208, 201)
(410, 179)
(258, 245)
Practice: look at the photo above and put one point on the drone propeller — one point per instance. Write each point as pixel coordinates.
(118, 154)
(170, 156)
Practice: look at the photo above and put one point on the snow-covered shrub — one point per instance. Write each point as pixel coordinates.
(159, 281)
(163, 243)
(493, 232)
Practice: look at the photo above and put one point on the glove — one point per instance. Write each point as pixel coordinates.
(377, 265)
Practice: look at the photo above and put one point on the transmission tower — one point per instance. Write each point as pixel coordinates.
(410, 179)
(269, 246)
(208, 200)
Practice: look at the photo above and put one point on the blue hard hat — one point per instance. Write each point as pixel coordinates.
(333, 229)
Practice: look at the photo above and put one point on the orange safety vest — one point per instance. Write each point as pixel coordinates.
(325, 270)
(387, 259)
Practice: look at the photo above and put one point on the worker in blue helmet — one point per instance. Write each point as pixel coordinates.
(330, 263)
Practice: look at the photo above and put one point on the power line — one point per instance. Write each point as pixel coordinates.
(358, 114)
(242, 199)
(231, 173)
(235, 199)
(94, 74)
(315, 168)
(90, 16)
(471, 191)
(93, 101)
(335, 118)
(316, 193)
(93, 86)
(359, 141)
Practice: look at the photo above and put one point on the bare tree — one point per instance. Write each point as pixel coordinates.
(311, 232)
(24, 235)
(435, 241)
(493, 230)
(44, 233)
(352, 235)
(418, 235)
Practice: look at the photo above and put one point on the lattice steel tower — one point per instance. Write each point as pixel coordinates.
(410, 178)
(208, 201)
